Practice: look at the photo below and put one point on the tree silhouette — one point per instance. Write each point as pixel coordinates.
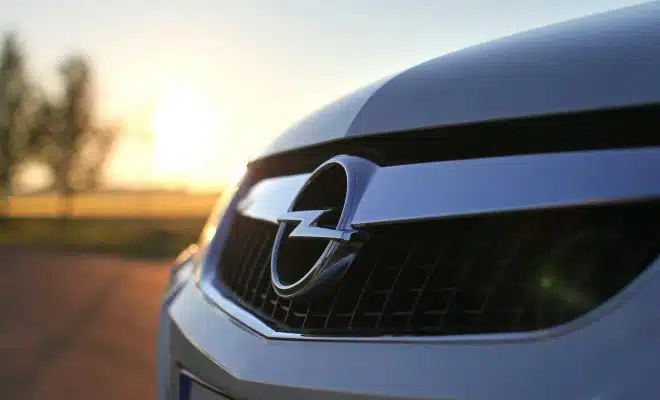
(72, 143)
(17, 138)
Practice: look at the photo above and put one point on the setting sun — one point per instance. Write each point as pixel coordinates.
(183, 130)
(185, 139)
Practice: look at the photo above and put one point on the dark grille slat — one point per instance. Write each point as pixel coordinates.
(250, 242)
(263, 275)
(427, 279)
(497, 273)
(275, 304)
(463, 274)
(579, 278)
(288, 311)
(307, 312)
(394, 286)
(502, 271)
(529, 294)
(362, 292)
(234, 253)
(333, 303)
(263, 247)
(269, 293)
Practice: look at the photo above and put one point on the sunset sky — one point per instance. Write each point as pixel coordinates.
(233, 74)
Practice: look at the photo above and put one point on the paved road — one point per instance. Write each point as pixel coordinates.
(77, 327)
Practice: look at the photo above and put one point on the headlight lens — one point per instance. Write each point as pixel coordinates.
(184, 267)
(182, 273)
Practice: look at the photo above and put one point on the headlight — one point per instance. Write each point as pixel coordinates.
(184, 267)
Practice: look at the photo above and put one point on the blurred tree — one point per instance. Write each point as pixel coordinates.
(17, 138)
(72, 143)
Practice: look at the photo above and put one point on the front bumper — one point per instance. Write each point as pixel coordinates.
(610, 353)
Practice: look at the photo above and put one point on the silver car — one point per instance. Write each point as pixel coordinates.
(485, 225)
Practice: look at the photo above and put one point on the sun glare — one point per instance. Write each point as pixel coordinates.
(193, 142)
(237, 173)
(182, 121)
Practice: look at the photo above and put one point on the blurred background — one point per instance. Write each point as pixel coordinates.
(122, 121)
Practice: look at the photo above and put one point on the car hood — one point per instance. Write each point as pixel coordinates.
(608, 60)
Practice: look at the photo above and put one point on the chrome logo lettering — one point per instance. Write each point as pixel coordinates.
(315, 241)
(306, 226)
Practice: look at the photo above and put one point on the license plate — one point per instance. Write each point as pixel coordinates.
(191, 389)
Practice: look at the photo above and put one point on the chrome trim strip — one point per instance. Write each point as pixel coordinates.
(486, 185)
(270, 198)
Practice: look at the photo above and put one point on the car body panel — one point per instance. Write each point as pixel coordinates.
(609, 352)
(605, 61)
(602, 61)
(610, 357)
(328, 123)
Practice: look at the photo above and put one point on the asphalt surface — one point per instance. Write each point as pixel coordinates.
(76, 326)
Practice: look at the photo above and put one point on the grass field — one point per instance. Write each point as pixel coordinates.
(137, 238)
(122, 205)
(143, 225)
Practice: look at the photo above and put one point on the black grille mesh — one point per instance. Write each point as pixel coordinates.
(498, 273)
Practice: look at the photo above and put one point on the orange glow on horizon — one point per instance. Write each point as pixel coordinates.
(184, 139)
(190, 138)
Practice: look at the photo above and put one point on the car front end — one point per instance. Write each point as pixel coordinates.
(485, 225)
